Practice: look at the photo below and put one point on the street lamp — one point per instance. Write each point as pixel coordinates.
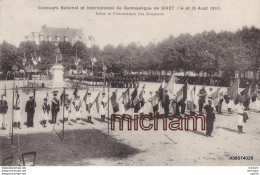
(35, 62)
(24, 62)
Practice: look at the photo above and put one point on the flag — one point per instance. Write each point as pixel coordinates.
(245, 94)
(154, 100)
(5, 91)
(141, 96)
(191, 98)
(184, 94)
(97, 102)
(160, 91)
(253, 92)
(170, 84)
(179, 95)
(85, 97)
(126, 99)
(215, 96)
(75, 93)
(16, 92)
(134, 97)
(114, 103)
(34, 94)
(233, 92)
(62, 96)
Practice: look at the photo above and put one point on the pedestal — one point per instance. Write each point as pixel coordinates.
(58, 79)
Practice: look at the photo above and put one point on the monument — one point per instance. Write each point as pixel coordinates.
(58, 73)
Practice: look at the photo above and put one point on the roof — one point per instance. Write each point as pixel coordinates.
(61, 32)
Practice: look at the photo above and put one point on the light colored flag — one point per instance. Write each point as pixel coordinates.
(170, 84)
(191, 98)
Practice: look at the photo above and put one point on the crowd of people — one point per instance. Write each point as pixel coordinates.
(162, 101)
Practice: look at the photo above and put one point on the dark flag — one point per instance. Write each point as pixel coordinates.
(126, 99)
(233, 92)
(134, 97)
(245, 96)
(184, 96)
(141, 97)
(62, 98)
(75, 93)
(34, 93)
(253, 92)
(161, 93)
(114, 103)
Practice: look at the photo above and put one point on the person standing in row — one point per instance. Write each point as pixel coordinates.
(202, 96)
(45, 111)
(17, 112)
(228, 102)
(240, 116)
(55, 107)
(210, 118)
(78, 108)
(103, 107)
(89, 108)
(30, 109)
(3, 111)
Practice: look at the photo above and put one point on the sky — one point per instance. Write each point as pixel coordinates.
(21, 17)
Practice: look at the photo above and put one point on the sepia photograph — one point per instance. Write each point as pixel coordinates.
(129, 83)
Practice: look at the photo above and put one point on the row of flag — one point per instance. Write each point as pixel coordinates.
(186, 94)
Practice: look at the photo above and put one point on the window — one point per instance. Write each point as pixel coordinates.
(49, 38)
(66, 38)
(57, 38)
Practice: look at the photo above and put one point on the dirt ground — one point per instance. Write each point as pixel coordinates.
(139, 148)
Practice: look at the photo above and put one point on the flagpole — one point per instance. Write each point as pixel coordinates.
(108, 109)
(12, 136)
(63, 99)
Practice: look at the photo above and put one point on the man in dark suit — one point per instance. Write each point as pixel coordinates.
(3, 111)
(210, 118)
(202, 96)
(30, 109)
(55, 107)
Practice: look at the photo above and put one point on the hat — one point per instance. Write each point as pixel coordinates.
(103, 93)
(45, 99)
(89, 93)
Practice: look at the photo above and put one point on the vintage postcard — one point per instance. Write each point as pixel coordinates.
(129, 83)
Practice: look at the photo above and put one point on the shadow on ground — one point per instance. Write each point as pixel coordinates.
(77, 145)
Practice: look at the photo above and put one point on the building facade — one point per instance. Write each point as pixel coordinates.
(57, 35)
